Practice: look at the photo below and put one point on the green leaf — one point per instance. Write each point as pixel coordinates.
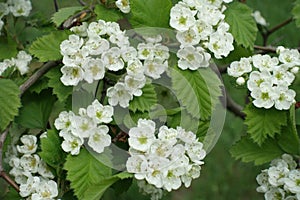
(107, 14)
(64, 13)
(296, 13)
(264, 122)
(288, 140)
(8, 48)
(145, 101)
(9, 102)
(154, 13)
(198, 91)
(242, 24)
(47, 47)
(39, 86)
(84, 171)
(36, 110)
(248, 151)
(52, 152)
(59, 89)
(95, 192)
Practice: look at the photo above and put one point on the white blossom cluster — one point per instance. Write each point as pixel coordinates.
(20, 63)
(16, 7)
(89, 125)
(166, 161)
(270, 77)
(200, 28)
(102, 46)
(123, 5)
(30, 171)
(281, 180)
(148, 59)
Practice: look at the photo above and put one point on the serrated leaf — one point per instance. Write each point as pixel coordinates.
(84, 171)
(198, 90)
(52, 152)
(248, 151)
(296, 12)
(107, 14)
(8, 48)
(154, 13)
(64, 13)
(47, 47)
(145, 101)
(39, 86)
(264, 123)
(9, 102)
(59, 89)
(36, 110)
(288, 140)
(242, 24)
(95, 192)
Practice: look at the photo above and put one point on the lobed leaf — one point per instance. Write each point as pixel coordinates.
(145, 101)
(107, 14)
(264, 123)
(9, 102)
(242, 24)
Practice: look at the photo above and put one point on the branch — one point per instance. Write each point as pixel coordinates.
(38, 74)
(55, 5)
(265, 49)
(234, 107)
(82, 2)
(279, 26)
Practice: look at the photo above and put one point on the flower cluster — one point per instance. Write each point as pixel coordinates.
(21, 63)
(87, 125)
(102, 46)
(30, 171)
(16, 7)
(148, 59)
(270, 77)
(166, 161)
(201, 28)
(281, 180)
(123, 5)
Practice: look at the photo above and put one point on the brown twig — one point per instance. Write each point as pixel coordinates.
(38, 74)
(234, 107)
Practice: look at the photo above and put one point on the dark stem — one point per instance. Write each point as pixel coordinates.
(233, 107)
(55, 5)
(82, 2)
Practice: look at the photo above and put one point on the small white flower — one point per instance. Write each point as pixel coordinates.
(30, 163)
(157, 169)
(72, 144)
(80, 30)
(277, 175)
(123, 5)
(29, 144)
(285, 97)
(188, 38)
(93, 69)
(282, 77)
(257, 78)
(292, 181)
(288, 56)
(128, 53)
(154, 68)
(119, 38)
(4, 10)
(262, 180)
(96, 45)
(119, 95)
(20, 7)
(161, 52)
(259, 18)
(99, 138)
(196, 152)
(71, 75)
(238, 68)
(112, 59)
(295, 70)
(145, 51)
(203, 29)
(210, 14)
(264, 62)
(220, 43)
(134, 84)
(30, 186)
(46, 190)
(192, 58)
(44, 170)
(274, 193)
(264, 96)
(100, 113)
(21, 62)
(138, 165)
(135, 68)
(83, 126)
(96, 29)
(168, 134)
(240, 81)
(64, 120)
(181, 17)
(71, 46)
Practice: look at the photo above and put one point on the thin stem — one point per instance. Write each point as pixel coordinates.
(56, 5)
(234, 107)
(82, 2)
(279, 26)
(38, 74)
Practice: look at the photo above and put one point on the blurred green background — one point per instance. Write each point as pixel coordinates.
(222, 178)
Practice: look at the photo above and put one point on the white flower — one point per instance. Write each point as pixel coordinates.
(192, 58)
(93, 69)
(188, 38)
(285, 97)
(240, 81)
(129, 53)
(100, 113)
(203, 29)
(264, 62)
(277, 175)
(171, 181)
(64, 120)
(263, 96)
(83, 126)
(135, 84)
(157, 170)
(161, 52)
(292, 181)
(181, 17)
(20, 7)
(71, 75)
(21, 62)
(193, 173)
(142, 136)
(138, 165)
(72, 144)
(4, 10)
(187, 137)
(99, 138)
(161, 148)
(135, 68)
(262, 180)
(6, 64)
(288, 56)
(112, 59)
(80, 30)
(123, 5)
(196, 152)
(44, 170)
(220, 44)
(145, 51)
(30, 163)
(154, 68)
(97, 29)
(71, 46)
(257, 78)
(274, 193)
(282, 77)
(238, 68)
(210, 14)
(167, 134)
(30, 186)
(119, 95)
(259, 19)
(76, 59)
(96, 45)
(119, 38)
(45, 190)
(29, 144)
(295, 70)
